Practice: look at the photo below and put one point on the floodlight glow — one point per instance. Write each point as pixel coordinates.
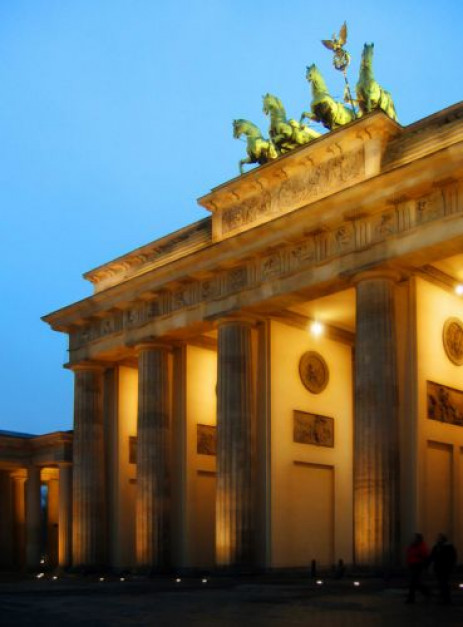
(356, 583)
(319, 582)
(178, 580)
(122, 579)
(203, 580)
(316, 328)
(40, 575)
(101, 578)
(459, 289)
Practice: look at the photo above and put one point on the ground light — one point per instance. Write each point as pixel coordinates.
(203, 580)
(40, 575)
(319, 582)
(178, 580)
(356, 584)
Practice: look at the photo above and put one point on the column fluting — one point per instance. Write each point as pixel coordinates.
(88, 493)
(376, 448)
(234, 519)
(33, 518)
(153, 476)
(64, 516)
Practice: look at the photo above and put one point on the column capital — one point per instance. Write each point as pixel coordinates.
(49, 474)
(87, 366)
(385, 274)
(152, 345)
(243, 319)
(19, 474)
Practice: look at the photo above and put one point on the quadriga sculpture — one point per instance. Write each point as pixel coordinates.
(323, 108)
(285, 134)
(370, 94)
(259, 150)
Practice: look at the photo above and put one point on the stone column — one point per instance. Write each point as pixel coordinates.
(153, 476)
(6, 521)
(234, 520)
(376, 449)
(65, 516)
(52, 520)
(89, 511)
(33, 518)
(19, 512)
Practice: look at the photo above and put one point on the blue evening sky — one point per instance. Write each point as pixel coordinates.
(115, 115)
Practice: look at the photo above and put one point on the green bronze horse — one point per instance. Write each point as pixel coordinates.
(285, 134)
(323, 108)
(259, 150)
(370, 95)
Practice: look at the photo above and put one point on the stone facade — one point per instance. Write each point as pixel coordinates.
(362, 231)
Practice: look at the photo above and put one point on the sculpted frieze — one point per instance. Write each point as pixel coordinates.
(343, 239)
(210, 288)
(181, 298)
(271, 266)
(385, 225)
(312, 249)
(303, 253)
(430, 207)
(237, 278)
(305, 186)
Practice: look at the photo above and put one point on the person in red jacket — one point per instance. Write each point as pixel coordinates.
(417, 562)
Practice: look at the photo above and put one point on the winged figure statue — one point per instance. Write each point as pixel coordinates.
(341, 57)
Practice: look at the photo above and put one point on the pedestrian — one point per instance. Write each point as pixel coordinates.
(444, 558)
(417, 562)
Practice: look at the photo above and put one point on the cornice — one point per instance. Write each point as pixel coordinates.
(402, 200)
(157, 253)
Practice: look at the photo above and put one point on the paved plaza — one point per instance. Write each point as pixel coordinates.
(258, 602)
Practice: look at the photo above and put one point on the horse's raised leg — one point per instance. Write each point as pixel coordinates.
(242, 162)
(307, 115)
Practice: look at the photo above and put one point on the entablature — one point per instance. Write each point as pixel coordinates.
(405, 215)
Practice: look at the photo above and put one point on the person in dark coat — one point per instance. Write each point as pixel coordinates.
(444, 558)
(417, 562)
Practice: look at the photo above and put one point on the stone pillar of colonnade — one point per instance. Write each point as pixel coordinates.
(65, 516)
(153, 515)
(88, 491)
(376, 448)
(50, 478)
(19, 478)
(33, 518)
(6, 521)
(234, 498)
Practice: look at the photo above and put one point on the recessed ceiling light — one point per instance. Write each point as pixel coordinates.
(316, 328)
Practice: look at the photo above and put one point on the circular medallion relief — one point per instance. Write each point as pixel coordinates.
(452, 337)
(314, 372)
